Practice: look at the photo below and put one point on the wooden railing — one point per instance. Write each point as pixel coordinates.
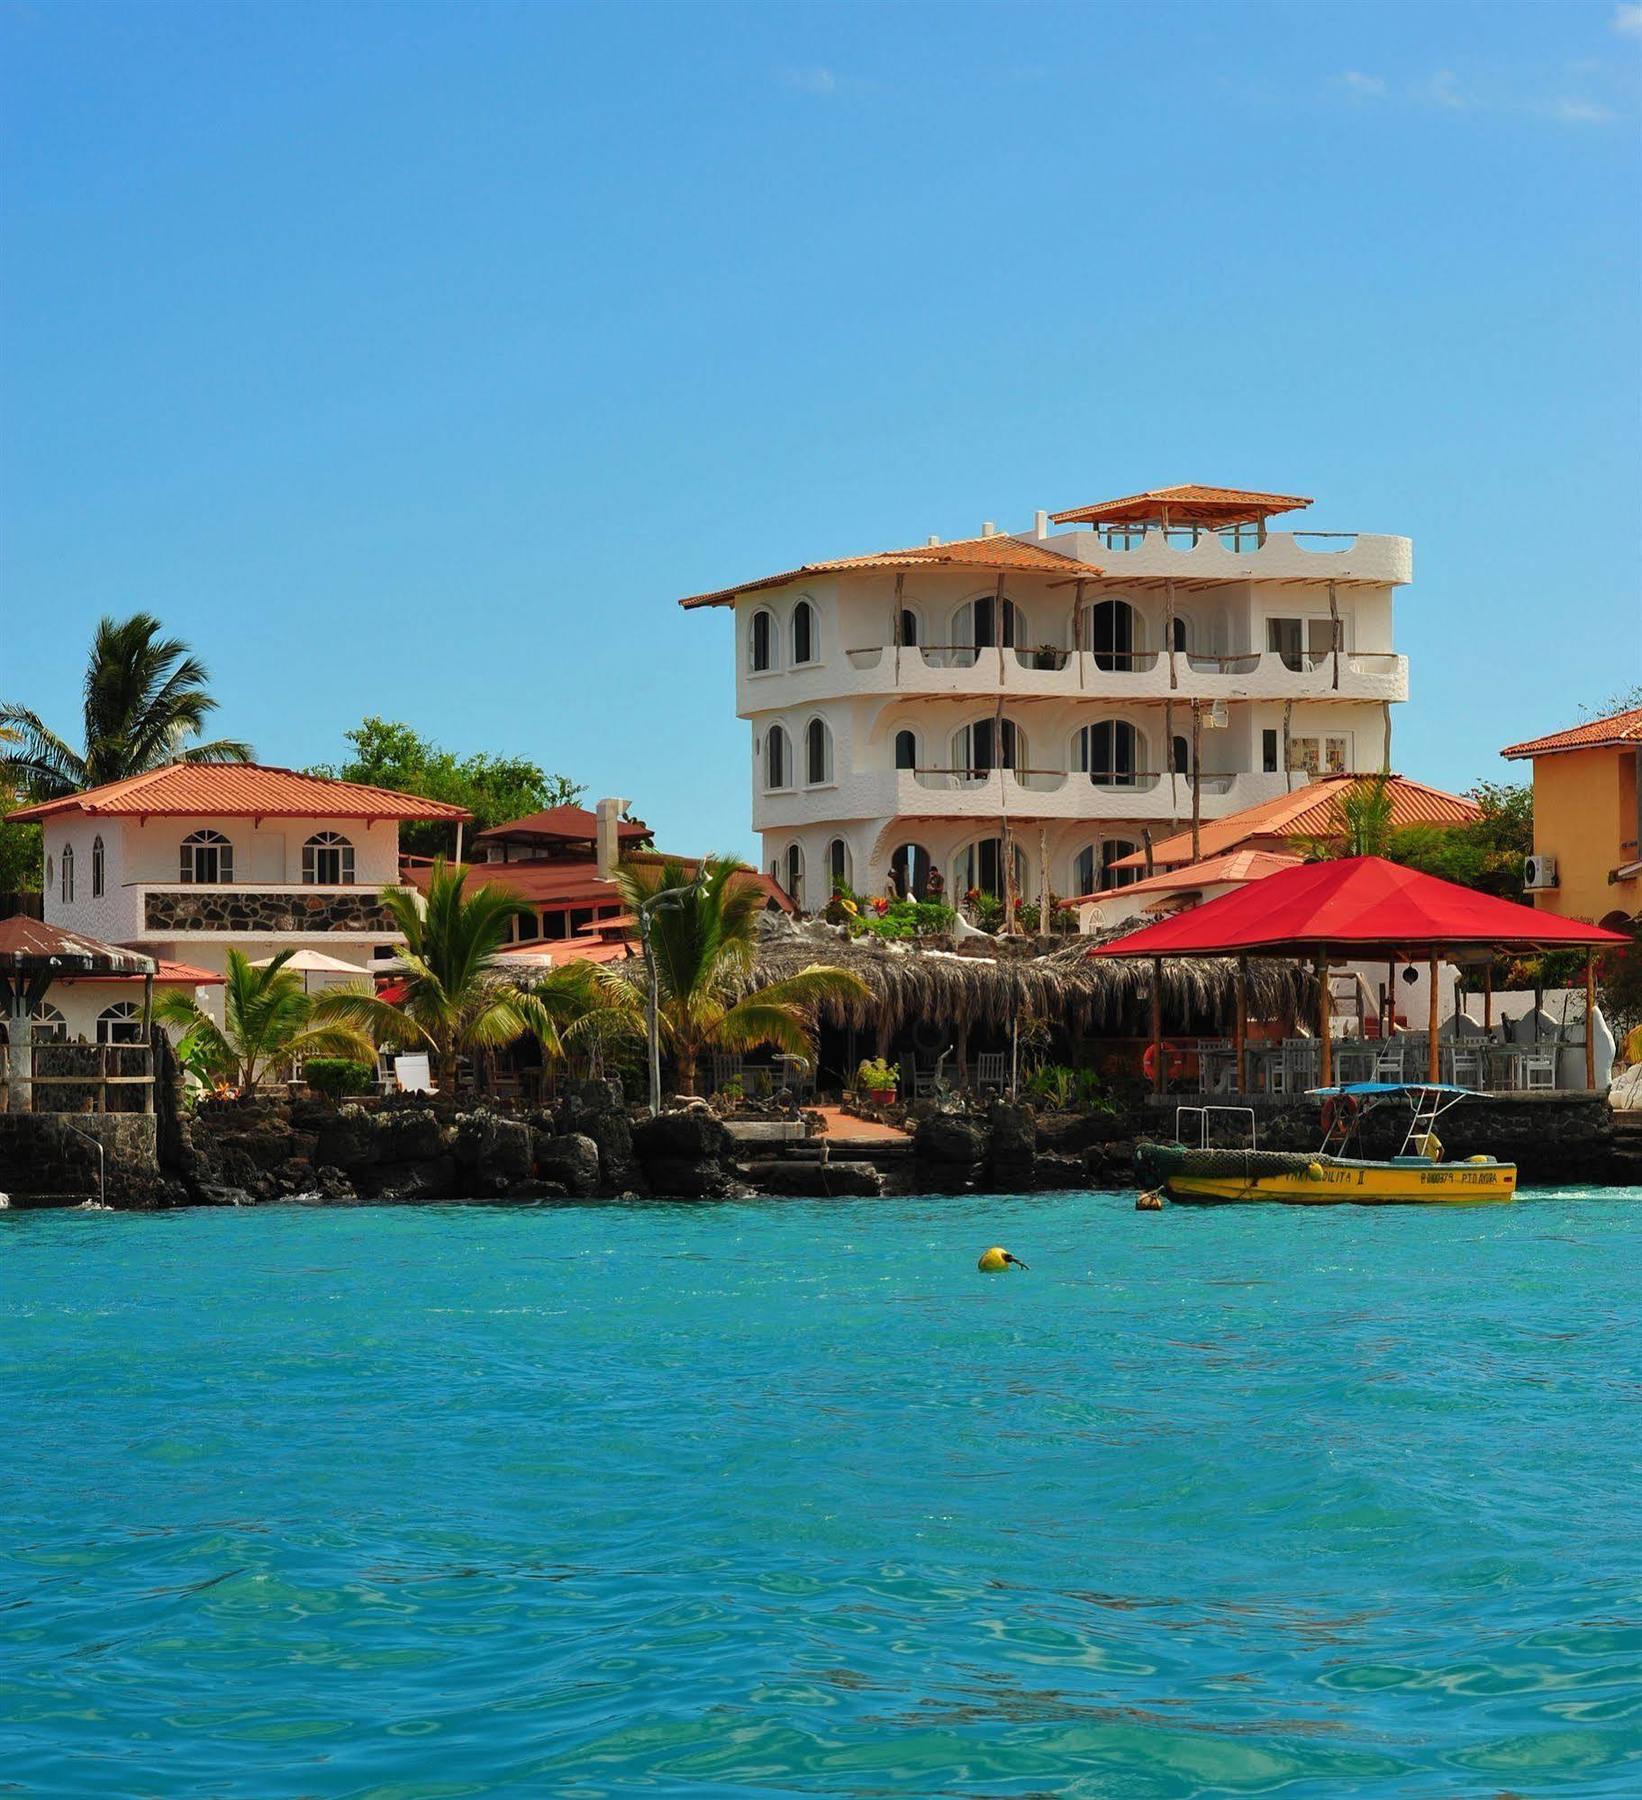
(74, 1078)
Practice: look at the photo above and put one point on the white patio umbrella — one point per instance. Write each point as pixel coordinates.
(315, 962)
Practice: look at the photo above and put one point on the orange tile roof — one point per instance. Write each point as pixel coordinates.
(1310, 811)
(1230, 866)
(563, 881)
(1594, 734)
(999, 554)
(557, 953)
(242, 790)
(1188, 505)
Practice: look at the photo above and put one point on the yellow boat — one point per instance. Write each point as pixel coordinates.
(1204, 1175)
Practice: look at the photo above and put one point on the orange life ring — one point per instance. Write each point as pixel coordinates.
(1341, 1110)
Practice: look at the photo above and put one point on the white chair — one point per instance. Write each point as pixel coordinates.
(1388, 1064)
(1465, 1067)
(1539, 1069)
(414, 1075)
(990, 1070)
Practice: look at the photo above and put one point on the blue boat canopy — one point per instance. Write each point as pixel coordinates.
(1386, 1087)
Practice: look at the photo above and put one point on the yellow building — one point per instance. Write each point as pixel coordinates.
(1586, 819)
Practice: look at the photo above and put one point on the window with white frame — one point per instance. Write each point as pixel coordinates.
(988, 744)
(98, 869)
(909, 868)
(984, 623)
(67, 866)
(207, 856)
(46, 1023)
(817, 753)
(761, 641)
(1113, 635)
(327, 860)
(1328, 755)
(121, 1023)
(838, 864)
(981, 867)
(803, 633)
(1111, 850)
(777, 760)
(1108, 752)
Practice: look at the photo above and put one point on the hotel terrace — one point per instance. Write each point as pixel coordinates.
(1019, 710)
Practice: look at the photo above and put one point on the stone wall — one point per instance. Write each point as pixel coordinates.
(259, 912)
(45, 1159)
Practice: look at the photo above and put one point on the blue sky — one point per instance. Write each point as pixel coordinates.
(414, 359)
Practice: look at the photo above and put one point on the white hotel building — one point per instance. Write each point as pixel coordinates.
(1029, 699)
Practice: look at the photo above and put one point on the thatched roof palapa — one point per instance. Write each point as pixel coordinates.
(908, 981)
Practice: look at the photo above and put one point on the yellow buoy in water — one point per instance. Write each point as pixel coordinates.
(996, 1260)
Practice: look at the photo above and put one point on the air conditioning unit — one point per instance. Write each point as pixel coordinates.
(1218, 717)
(1539, 873)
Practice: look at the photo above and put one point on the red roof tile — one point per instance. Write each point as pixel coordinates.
(1312, 810)
(999, 554)
(574, 824)
(242, 790)
(1188, 505)
(1594, 734)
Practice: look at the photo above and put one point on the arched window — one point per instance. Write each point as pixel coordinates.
(98, 868)
(121, 1023)
(911, 628)
(817, 753)
(207, 856)
(1085, 870)
(68, 875)
(1114, 635)
(906, 749)
(777, 760)
(803, 633)
(1110, 850)
(1182, 754)
(983, 623)
(792, 876)
(327, 860)
(838, 864)
(48, 1025)
(909, 867)
(761, 642)
(1179, 633)
(1109, 753)
(981, 868)
(989, 744)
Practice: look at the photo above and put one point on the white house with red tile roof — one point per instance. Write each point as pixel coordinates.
(1018, 709)
(188, 861)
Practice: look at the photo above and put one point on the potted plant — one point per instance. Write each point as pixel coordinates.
(878, 1080)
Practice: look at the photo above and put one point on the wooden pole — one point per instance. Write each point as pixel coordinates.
(1077, 629)
(1146, 845)
(1433, 1063)
(1335, 631)
(1590, 1020)
(1325, 1071)
(1240, 1031)
(1197, 781)
(895, 627)
(1288, 753)
(1168, 628)
(997, 628)
(1388, 1024)
(1157, 1026)
(148, 1005)
(1488, 995)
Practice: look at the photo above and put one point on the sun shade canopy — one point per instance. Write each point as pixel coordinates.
(1188, 505)
(1362, 905)
(29, 947)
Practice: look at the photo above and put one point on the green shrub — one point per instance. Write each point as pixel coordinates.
(337, 1077)
(878, 1076)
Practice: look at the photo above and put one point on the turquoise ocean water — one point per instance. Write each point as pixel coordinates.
(784, 1498)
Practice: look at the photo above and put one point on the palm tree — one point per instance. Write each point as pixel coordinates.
(1366, 824)
(144, 699)
(456, 998)
(703, 948)
(268, 1022)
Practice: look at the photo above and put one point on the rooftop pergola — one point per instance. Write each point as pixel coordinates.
(1191, 504)
(33, 955)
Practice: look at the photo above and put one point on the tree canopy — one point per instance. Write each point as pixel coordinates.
(145, 698)
(494, 789)
(1487, 853)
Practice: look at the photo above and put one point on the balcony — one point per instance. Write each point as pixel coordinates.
(1241, 552)
(1028, 793)
(1045, 672)
(252, 909)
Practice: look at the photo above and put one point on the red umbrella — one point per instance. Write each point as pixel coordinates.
(1363, 906)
